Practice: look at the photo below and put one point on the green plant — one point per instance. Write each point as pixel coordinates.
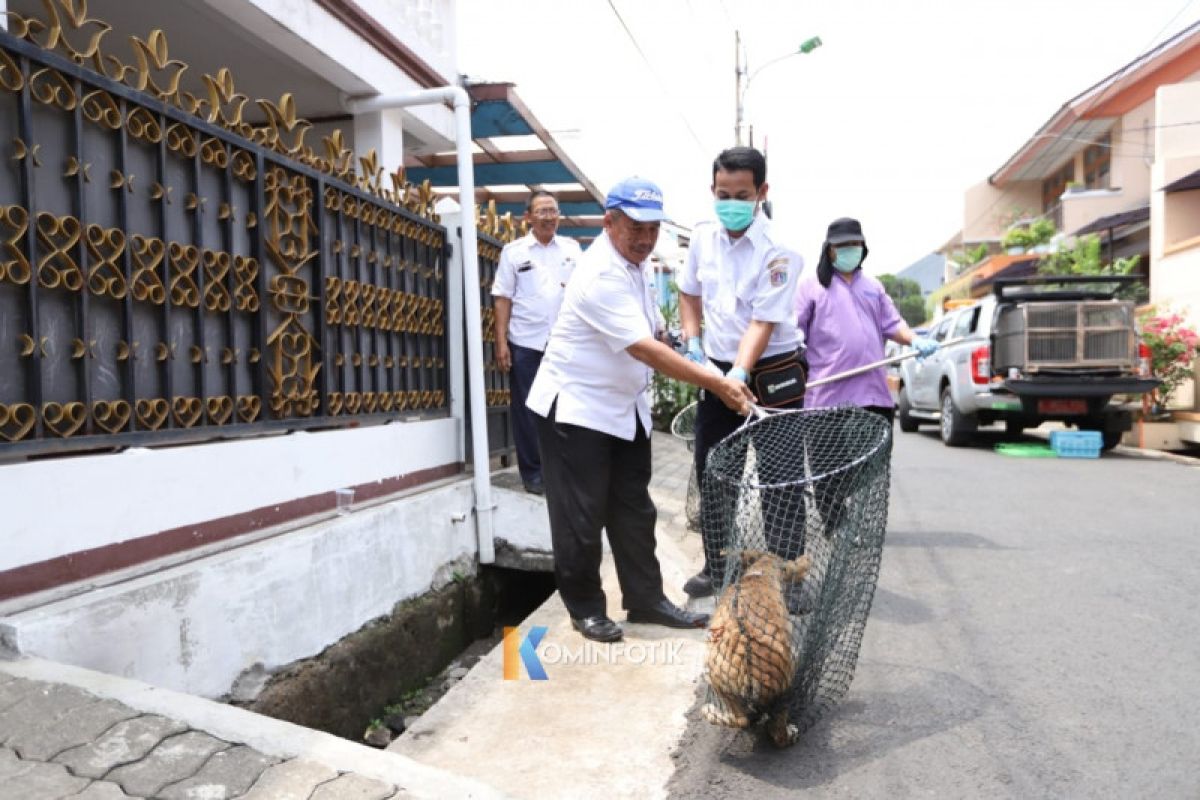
(1036, 233)
(1085, 257)
(1016, 237)
(667, 395)
(1172, 347)
(965, 259)
(1041, 231)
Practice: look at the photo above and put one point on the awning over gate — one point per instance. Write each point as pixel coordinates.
(515, 154)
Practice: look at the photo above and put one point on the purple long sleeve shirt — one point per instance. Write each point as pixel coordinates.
(845, 327)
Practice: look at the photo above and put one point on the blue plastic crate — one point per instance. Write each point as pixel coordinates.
(1076, 444)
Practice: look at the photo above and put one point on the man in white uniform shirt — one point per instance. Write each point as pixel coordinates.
(528, 291)
(740, 282)
(592, 401)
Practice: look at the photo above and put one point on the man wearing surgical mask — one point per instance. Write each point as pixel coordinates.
(845, 316)
(736, 291)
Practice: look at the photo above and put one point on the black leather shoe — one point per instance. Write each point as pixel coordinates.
(598, 628)
(699, 585)
(535, 487)
(669, 614)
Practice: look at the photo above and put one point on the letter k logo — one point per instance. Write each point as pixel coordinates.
(527, 650)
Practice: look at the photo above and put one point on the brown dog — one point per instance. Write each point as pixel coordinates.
(750, 661)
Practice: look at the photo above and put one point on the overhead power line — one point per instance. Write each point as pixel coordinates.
(1091, 104)
(670, 97)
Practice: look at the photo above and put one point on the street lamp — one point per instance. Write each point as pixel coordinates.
(743, 80)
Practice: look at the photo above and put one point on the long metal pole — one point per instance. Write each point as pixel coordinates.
(885, 362)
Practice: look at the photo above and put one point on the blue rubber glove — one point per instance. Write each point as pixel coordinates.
(924, 347)
(739, 373)
(695, 351)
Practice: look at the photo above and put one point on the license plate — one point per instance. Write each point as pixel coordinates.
(1060, 406)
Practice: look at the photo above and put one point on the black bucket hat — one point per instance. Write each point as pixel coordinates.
(840, 231)
(844, 230)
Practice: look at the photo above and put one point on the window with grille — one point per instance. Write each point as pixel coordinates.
(1097, 163)
(1054, 186)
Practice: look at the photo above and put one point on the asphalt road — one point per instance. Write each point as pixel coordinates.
(1035, 634)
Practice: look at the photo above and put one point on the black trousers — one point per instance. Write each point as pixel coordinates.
(597, 482)
(715, 421)
(525, 363)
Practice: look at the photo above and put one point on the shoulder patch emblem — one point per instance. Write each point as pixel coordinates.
(777, 271)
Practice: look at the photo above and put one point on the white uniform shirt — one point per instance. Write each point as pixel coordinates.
(598, 385)
(533, 275)
(753, 277)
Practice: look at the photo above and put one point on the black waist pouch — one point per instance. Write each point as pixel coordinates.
(780, 384)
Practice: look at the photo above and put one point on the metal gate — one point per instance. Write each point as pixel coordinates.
(494, 233)
(171, 272)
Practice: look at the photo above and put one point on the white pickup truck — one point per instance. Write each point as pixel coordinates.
(1037, 349)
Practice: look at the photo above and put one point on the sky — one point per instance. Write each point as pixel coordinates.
(905, 105)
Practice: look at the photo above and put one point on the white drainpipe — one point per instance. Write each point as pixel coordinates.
(484, 507)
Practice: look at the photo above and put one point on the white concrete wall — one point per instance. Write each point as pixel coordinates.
(312, 36)
(60, 506)
(196, 627)
(1175, 269)
(427, 27)
(521, 520)
(1082, 208)
(988, 209)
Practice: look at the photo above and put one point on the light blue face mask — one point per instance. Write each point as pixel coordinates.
(847, 259)
(735, 215)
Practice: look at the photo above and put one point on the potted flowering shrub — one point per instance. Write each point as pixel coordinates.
(1172, 346)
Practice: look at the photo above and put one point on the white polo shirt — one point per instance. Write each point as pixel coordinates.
(752, 277)
(608, 306)
(533, 275)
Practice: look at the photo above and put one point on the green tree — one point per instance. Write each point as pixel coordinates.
(906, 294)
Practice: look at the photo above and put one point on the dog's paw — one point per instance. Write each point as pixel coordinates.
(785, 737)
(718, 716)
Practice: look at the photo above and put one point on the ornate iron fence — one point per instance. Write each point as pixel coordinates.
(170, 271)
(494, 232)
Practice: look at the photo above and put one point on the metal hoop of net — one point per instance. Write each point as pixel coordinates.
(794, 513)
(683, 426)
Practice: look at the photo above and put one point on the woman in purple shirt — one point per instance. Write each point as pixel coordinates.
(846, 315)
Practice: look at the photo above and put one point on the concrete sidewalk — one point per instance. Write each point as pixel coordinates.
(605, 721)
(603, 726)
(71, 732)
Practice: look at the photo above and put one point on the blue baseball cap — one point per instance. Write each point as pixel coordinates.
(637, 198)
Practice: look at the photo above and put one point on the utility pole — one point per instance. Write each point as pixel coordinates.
(739, 71)
(743, 78)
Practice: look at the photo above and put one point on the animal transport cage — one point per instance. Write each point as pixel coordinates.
(1065, 335)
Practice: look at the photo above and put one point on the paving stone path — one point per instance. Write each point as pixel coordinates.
(57, 741)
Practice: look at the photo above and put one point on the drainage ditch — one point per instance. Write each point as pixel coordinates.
(371, 684)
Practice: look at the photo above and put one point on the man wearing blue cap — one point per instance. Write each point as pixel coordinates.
(592, 401)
